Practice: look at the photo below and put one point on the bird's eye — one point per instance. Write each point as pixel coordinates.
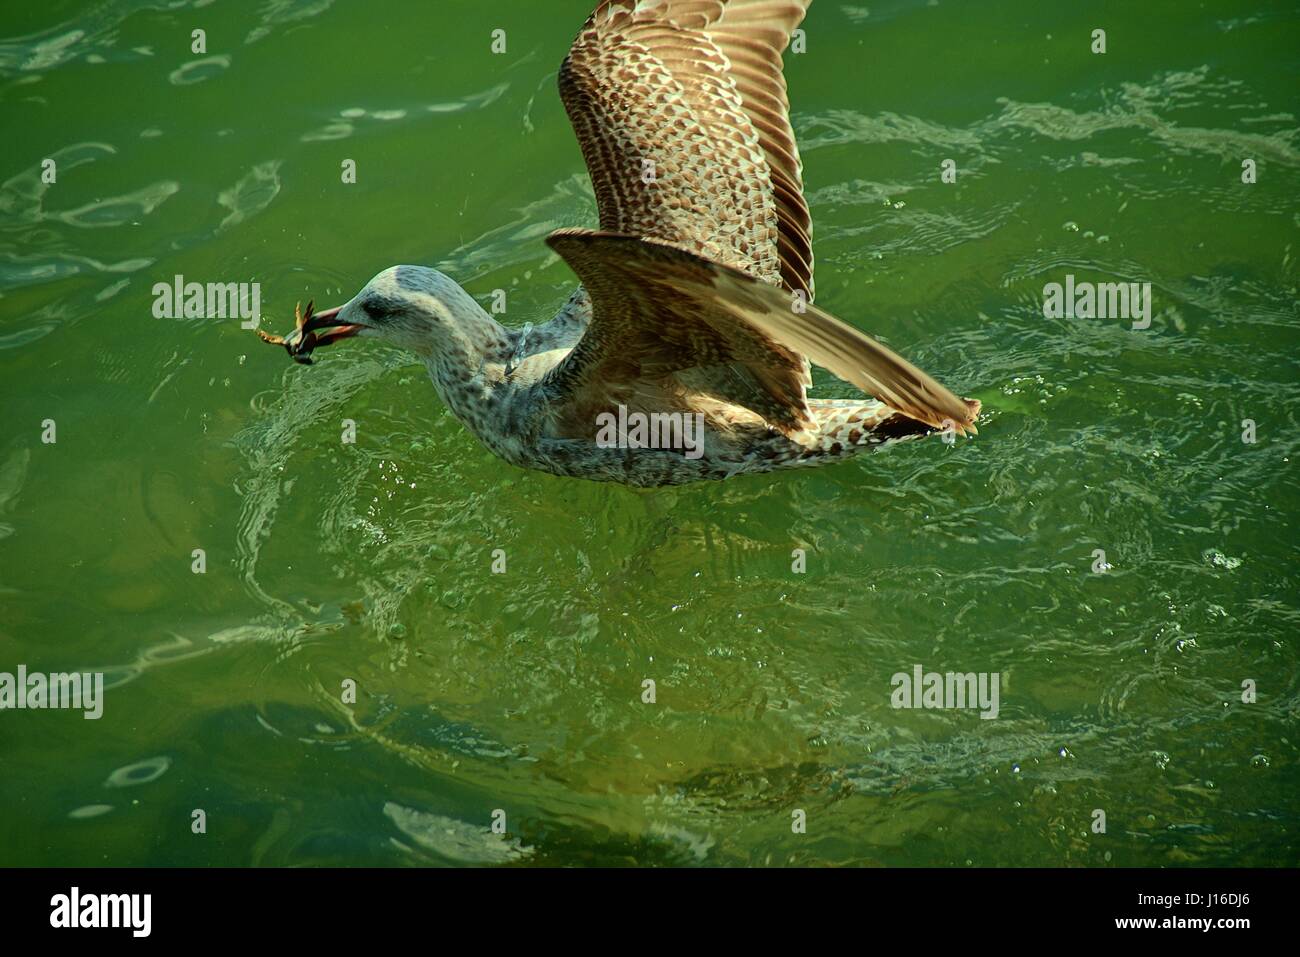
(378, 309)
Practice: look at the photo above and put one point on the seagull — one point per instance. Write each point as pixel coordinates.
(684, 354)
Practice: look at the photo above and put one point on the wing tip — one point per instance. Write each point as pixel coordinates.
(557, 237)
(967, 426)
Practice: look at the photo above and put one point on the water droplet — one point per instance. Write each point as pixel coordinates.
(1216, 557)
(196, 71)
(142, 772)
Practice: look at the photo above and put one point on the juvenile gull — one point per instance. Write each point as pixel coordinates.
(695, 304)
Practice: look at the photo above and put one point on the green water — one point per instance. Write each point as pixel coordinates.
(522, 692)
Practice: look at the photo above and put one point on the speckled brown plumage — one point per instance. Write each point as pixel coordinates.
(695, 88)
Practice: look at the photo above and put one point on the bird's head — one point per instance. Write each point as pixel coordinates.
(413, 307)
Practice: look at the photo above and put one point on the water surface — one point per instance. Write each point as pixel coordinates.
(522, 692)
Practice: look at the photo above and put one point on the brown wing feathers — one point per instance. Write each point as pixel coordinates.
(695, 87)
(652, 320)
(688, 271)
(662, 310)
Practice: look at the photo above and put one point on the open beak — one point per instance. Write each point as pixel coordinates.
(313, 329)
(327, 327)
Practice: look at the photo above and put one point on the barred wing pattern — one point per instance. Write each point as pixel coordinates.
(681, 111)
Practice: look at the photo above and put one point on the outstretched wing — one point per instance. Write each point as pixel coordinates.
(681, 111)
(659, 312)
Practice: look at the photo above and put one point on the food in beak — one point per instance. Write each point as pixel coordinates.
(311, 329)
